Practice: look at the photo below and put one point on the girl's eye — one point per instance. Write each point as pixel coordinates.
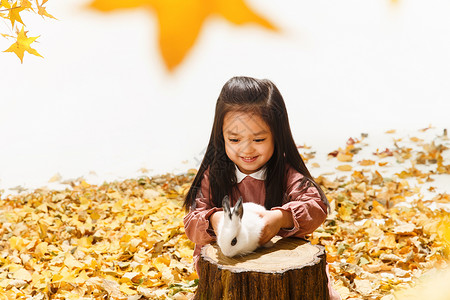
(233, 140)
(259, 140)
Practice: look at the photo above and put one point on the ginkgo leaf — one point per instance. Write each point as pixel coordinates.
(345, 168)
(23, 44)
(344, 157)
(22, 274)
(180, 22)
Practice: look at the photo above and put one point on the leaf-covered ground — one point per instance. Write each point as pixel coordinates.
(125, 240)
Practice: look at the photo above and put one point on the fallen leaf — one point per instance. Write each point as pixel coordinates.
(366, 162)
(344, 157)
(345, 168)
(22, 274)
(363, 286)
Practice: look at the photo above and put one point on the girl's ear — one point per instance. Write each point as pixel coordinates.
(238, 209)
(226, 206)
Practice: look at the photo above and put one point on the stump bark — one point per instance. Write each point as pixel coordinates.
(291, 269)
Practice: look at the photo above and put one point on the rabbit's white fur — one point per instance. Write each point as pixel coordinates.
(242, 223)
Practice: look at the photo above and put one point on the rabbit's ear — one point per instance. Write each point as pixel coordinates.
(226, 206)
(238, 209)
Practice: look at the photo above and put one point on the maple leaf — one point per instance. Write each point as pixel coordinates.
(42, 10)
(180, 22)
(5, 3)
(13, 14)
(26, 4)
(23, 44)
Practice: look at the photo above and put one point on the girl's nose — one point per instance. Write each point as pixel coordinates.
(247, 148)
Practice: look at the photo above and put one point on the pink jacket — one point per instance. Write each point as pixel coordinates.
(306, 206)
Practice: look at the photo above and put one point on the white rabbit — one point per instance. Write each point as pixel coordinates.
(239, 229)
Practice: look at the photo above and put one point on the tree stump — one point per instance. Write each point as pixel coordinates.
(291, 269)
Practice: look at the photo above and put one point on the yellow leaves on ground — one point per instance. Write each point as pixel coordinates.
(382, 234)
(434, 285)
(345, 168)
(180, 22)
(366, 162)
(23, 44)
(116, 240)
(346, 155)
(125, 240)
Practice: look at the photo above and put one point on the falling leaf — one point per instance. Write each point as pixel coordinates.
(13, 13)
(23, 44)
(180, 22)
(42, 10)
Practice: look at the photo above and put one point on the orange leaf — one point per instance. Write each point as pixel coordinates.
(180, 22)
(344, 157)
(366, 162)
(344, 168)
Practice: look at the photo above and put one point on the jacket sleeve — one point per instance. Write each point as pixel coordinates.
(196, 222)
(303, 201)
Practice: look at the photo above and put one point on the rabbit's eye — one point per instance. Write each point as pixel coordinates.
(233, 242)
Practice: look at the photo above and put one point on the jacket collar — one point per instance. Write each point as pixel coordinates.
(260, 174)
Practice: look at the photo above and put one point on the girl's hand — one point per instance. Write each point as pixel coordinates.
(275, 220)
(214, 220)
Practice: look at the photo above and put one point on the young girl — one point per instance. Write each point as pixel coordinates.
(251, 153)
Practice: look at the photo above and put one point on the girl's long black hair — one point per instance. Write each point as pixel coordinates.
(246, 94)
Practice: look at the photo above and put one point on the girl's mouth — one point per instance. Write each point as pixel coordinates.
(249, 159)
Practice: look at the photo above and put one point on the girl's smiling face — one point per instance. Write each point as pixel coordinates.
(248, 140)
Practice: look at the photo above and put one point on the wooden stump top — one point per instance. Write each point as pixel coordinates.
(285, 254)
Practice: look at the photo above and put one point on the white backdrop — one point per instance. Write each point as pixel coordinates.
(101, 100)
